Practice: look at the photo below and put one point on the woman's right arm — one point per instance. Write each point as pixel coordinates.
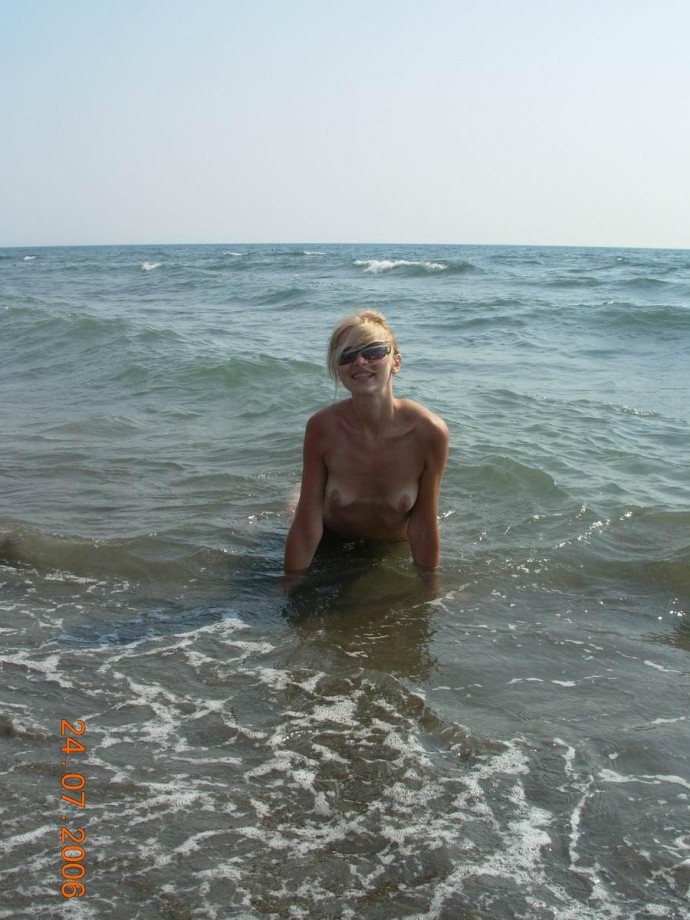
(307, 527)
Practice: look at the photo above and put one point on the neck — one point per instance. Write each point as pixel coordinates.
(374, 411)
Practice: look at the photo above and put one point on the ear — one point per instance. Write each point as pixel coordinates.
(397, 361)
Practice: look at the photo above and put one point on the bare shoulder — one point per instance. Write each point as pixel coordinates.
(320, 425)
(325, 416)
(430, 426)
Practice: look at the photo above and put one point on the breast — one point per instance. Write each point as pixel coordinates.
(398, 499)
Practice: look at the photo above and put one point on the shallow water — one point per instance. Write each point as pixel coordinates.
(509, 742)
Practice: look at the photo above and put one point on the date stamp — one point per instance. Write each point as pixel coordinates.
(73, 785)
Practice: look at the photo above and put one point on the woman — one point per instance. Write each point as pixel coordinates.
(372, 464)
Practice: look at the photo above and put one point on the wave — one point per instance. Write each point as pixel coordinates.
(502, 473)
(65, 349)
(411, 267)
(149, 354)
(149, 266)
(303, 252)
(658, 319)
(287, 297)
(39, 334)
(144, 559)
(145, 626)
(646, 539)
(645, 284)
(583, 281)
(171, 561)
(138, 588)
(657, 262)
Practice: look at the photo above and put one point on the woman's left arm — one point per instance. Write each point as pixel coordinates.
(422, 528)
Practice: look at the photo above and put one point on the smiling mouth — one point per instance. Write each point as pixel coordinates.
(362, 374)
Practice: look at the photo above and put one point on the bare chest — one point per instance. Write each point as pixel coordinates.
(381, 474)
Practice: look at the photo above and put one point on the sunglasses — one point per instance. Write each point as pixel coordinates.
(373, 352)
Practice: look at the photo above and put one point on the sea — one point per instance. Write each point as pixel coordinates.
(186, 735)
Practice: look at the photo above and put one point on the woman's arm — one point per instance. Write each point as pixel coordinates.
(307, 527)
(422, 529)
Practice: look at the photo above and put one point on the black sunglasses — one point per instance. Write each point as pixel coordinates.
(373, 352)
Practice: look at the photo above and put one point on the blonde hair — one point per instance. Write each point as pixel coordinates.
(366, 326)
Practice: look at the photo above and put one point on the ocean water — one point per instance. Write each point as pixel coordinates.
(511, 744)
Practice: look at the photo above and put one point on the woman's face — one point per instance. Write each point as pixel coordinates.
(365, 366)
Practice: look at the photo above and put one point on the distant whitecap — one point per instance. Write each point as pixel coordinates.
(376, 266)
(149, 266)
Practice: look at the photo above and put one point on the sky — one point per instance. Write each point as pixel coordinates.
(535, 122)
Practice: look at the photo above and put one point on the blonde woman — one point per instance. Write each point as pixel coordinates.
(372, 464)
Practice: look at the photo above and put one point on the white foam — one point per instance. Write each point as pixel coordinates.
(658, 667)
(191, 844)
(165, 722)
(376, 266)
(68, 578)
(518, 858)
(311, 683)
(275, 678)
(20, 839)
(149, 266)
(326, 754)
(49, 667)
(174, 797)
(336, 709)
(610, 776)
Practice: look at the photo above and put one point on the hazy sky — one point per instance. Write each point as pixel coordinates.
(444, 121)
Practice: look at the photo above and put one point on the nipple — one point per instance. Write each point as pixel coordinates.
(335, 498)
(404, 504)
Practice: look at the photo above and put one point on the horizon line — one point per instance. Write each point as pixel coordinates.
(341, 243)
